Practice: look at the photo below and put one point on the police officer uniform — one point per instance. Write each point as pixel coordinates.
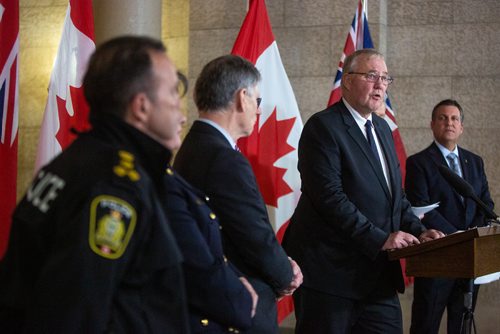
(91, 250)
(218, 301)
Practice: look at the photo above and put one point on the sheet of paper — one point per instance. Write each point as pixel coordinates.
(422, 210)
(487, 278)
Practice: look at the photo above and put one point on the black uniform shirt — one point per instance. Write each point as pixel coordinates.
(90, 249)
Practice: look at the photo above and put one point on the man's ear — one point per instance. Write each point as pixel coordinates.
(239, 99)
(140, 108)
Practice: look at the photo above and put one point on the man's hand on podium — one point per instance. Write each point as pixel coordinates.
(430, 235)
(402, 239)
(399, 240)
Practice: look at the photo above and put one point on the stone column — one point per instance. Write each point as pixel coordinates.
(119, 17)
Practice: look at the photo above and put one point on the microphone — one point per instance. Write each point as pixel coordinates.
(465, 190)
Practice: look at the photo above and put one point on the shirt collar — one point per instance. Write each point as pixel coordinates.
(220, 129)
(444, 150)
(360, 120)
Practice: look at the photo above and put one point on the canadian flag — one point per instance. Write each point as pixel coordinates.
(272, 146)
(66, 108)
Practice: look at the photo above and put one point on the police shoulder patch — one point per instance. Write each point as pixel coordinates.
(112, 223)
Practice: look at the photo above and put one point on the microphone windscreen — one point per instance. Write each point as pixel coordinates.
(459, 184)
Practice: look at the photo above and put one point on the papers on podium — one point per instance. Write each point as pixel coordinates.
(487, 278)
(419, 211)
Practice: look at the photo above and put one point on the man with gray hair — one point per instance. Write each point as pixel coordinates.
(352, 211)
(228, 98)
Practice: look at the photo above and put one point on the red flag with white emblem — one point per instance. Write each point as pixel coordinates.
(272, 146)
(9, 107)
(66, 110)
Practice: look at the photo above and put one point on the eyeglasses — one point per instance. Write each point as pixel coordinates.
(373, 77)
(259, 100)
(182, 85)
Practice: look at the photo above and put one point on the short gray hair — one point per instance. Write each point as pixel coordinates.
(351, 60)
(220, 79)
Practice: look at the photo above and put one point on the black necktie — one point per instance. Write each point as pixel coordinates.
(370, 139)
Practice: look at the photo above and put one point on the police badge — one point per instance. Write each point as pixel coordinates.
(112, 223)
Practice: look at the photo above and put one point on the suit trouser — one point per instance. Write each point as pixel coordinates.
(319, 312)
(265, 320)
(431, 296)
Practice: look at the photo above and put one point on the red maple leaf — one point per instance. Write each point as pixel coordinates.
(79, 120)
(263, 148)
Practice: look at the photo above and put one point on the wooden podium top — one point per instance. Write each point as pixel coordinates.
(446, 241)
(466, 254)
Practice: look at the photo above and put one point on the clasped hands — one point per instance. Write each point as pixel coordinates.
(296, 280)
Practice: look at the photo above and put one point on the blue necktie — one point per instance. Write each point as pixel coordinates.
(453, 160)
(370, 139)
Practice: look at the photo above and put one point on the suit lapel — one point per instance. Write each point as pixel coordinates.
(464, 164)
(359, 138)
(392, 162)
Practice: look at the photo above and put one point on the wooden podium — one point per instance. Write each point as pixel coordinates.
(467, 254)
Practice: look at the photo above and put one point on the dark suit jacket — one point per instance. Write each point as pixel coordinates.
(425, 185)
(218, 302)
(207, 161)
(346, 213)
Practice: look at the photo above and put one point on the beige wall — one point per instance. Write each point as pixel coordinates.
(435, 49)
(40, 27)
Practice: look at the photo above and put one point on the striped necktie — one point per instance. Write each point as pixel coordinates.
(453, 160)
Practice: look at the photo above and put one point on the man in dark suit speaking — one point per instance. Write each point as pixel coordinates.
(425, 185)
(227, 96)
(352, 210)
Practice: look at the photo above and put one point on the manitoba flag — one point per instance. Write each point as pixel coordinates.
(66, 109)
(9, 92)
(272, 146)
(359, 38)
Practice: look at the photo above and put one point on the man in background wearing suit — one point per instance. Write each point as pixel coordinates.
(352, 211)
(425, 185)
(227, 97)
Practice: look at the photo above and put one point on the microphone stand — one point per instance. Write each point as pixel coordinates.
(468, 323)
